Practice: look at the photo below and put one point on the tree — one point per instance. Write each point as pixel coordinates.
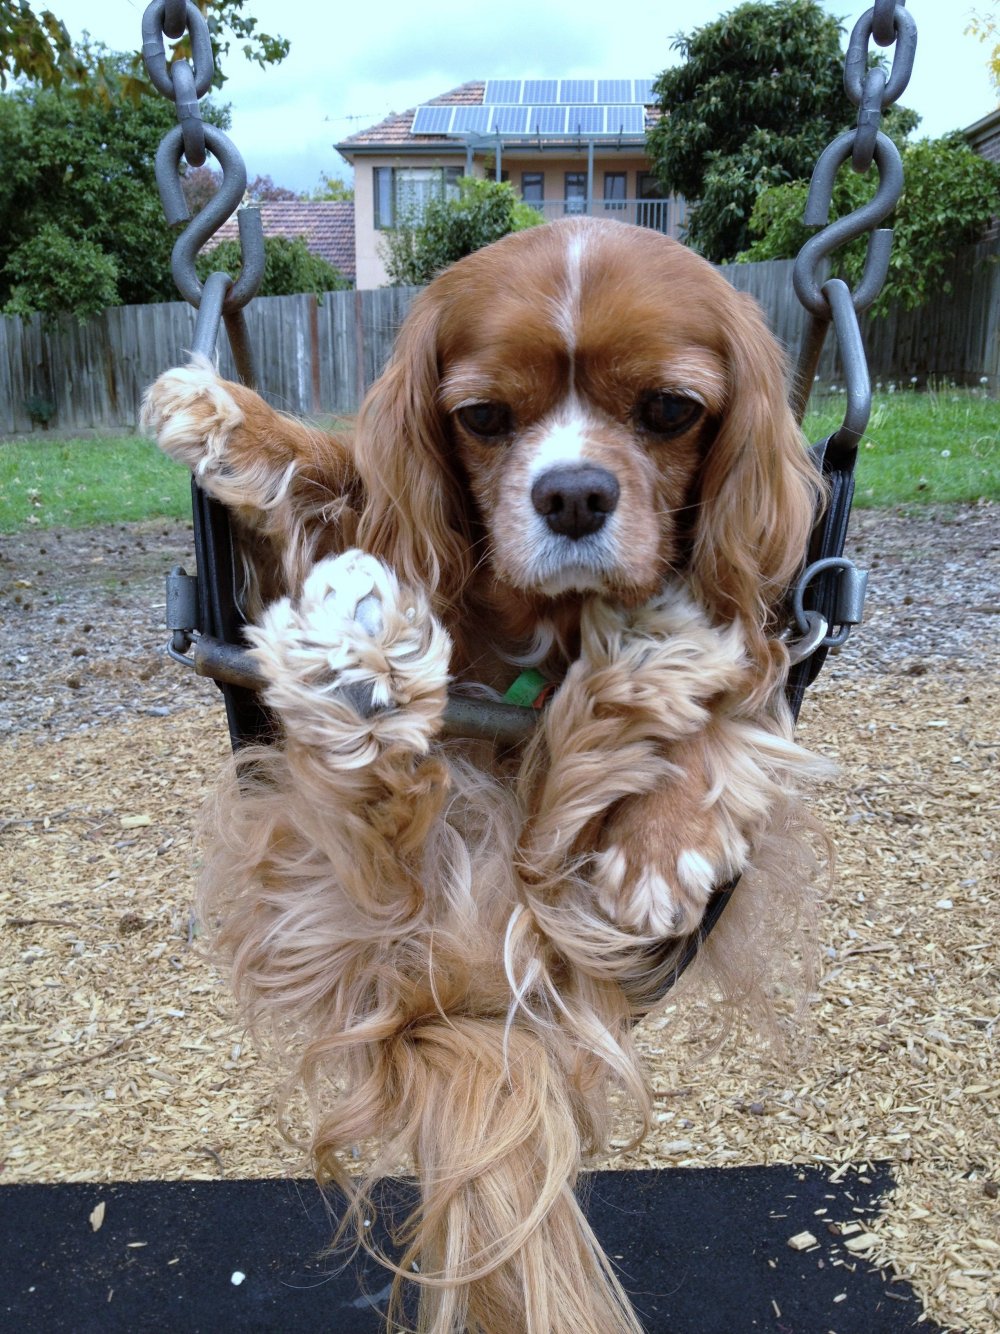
(447, 229)
(81, 224)
(332, 188)
(262, 187)
(987, 29)
(289, 266)
(39, 47)
(758, 97)
(199, 185)
(53, 272)
(950, 195)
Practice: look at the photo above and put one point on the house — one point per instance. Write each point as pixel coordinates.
(327, 227)
(567, 146)
(983, 137)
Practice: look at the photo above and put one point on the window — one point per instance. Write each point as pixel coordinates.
(576, 192)
(533, 187)
(651, 210)
(614, 189)
(648, 187)
(404, 192)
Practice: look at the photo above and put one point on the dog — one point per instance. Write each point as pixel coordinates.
(579, 461)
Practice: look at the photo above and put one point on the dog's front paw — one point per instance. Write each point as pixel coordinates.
(192, 415)
(661, 859)
(355, 664)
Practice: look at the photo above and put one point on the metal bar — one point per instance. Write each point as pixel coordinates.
(483, 720)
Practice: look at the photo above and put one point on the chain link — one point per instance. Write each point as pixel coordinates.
(185, 84)
(832, 585)
(871, 91)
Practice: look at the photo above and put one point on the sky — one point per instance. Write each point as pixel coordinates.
(349, 66)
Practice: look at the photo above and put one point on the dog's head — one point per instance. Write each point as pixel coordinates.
(585, 408)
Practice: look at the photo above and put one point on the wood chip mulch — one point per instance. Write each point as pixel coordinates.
(120, 1058)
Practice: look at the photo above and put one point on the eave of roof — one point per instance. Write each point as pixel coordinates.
(980, 128)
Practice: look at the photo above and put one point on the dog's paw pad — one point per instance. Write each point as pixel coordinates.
(368, 614)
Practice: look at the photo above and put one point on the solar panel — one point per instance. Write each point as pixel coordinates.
(614, 90)
(510, 120)
(644, 91)
(432, 120)
(626, 120)
(474, 119)
(541, 92)
(585, 120)
(503, 91)
(547, 120)
(576, 90)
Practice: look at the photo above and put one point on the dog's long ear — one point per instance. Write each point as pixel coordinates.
(415, 517)
(758, 491)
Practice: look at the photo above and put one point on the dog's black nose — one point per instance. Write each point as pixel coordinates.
(574, 500)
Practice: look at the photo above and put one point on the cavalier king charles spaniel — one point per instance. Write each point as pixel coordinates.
(581, 461)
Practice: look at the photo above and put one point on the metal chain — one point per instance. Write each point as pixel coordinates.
(204, 610)
(219, 298)
(871, 91)
(832, 586)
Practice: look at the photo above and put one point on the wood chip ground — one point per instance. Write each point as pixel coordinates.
(120, 1059)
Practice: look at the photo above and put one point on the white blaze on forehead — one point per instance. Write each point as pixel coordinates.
(561, 439)
(566, 306)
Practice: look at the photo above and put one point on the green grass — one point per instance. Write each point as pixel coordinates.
(933, 447)
(920, 448)
(79, 483)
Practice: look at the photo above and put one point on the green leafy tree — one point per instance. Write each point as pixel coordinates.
(447, 229)
(36, 44)
(758, 96)
(53, 272)
(332, 188)
(987, 28)
(950, 195)
(81, 224)
(289, 266)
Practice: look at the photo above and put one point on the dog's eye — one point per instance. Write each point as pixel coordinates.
(490, 421)
(665, 414)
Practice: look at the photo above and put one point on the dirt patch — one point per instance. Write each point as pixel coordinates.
(121, 1061)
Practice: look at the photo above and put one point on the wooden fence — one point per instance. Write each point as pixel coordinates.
(319, 357)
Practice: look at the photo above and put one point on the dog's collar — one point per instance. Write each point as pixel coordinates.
(531, 690)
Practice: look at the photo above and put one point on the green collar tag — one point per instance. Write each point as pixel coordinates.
(526, 689)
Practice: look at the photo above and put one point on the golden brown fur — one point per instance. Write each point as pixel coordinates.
(453, 943)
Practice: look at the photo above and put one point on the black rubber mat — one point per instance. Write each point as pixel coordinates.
(701, 1251)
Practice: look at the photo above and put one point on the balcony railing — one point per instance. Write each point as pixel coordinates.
(662, 215)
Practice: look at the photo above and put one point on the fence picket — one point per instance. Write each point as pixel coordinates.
(91, 376)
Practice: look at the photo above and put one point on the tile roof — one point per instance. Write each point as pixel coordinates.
(327, 227)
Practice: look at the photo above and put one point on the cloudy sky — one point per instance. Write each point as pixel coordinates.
(351, 64)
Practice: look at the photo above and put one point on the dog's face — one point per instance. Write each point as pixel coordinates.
(580, 409)
(603, 409)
